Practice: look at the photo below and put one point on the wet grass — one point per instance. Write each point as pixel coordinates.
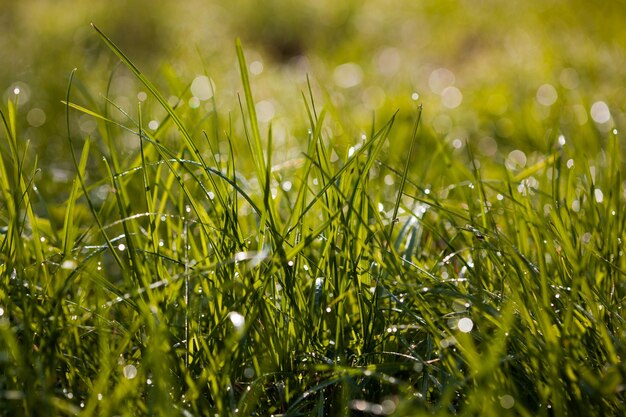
(197, 268)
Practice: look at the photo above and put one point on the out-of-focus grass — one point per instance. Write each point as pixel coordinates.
(263, 244)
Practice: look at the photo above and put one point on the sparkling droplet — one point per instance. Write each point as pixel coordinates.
(237, 319)
(465, 325)
(130, 371)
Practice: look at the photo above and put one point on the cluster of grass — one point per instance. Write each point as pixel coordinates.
(195, 270)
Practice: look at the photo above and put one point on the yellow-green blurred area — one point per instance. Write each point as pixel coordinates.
(500, 75)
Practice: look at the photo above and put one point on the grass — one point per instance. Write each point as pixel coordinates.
(197, 269)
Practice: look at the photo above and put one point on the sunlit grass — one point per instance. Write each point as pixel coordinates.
(200, 268)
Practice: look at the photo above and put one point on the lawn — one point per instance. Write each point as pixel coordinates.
(309, 209)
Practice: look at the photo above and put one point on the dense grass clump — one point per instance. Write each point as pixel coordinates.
(197, 268)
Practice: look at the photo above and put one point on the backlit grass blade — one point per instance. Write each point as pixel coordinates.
(69, 228)
(252, 117)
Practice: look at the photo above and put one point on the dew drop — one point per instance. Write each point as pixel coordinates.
(598, 195)
(130, 371)
(237, 319)
(69, 264)
(465, 325)
(507, 401)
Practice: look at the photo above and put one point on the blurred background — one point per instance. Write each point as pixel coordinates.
(499, 75)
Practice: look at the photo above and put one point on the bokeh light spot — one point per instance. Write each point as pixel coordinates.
(600, 112)
(202, 87)
(451, 97)
(348, 75)
(36, 117)
(546, 95)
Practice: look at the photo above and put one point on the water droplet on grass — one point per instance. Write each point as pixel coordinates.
(286, 186)
(598, 195)
(507, 401)
(130, 371)
(237, 319)
(465, 325)
(69, 264)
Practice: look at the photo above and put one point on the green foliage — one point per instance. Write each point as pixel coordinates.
(199, 267)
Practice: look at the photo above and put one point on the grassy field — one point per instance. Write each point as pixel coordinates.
(378, 208)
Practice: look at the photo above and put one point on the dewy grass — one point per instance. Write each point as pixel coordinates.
(205, 286)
